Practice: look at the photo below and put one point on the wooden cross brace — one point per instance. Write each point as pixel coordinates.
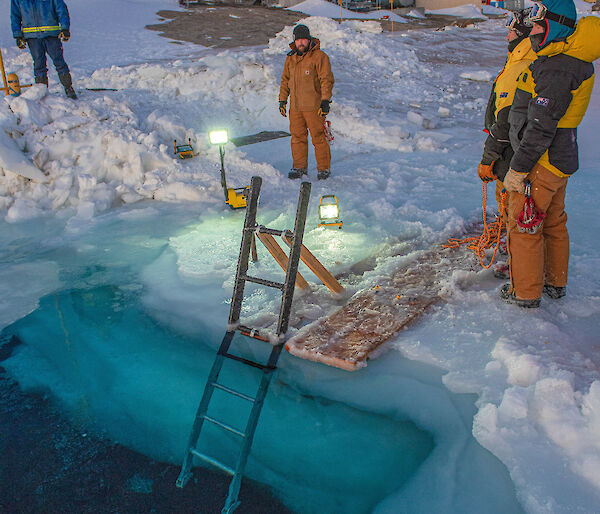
(305, 256)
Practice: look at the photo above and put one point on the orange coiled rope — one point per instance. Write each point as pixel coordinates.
(490, 237)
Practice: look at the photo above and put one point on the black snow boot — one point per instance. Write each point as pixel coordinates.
(297, 172)
(555, 292)
(509, 297)
(42, 80)
(67, 83)
(323, 174)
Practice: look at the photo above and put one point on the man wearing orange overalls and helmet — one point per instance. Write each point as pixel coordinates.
(551, 99)
(308, 80)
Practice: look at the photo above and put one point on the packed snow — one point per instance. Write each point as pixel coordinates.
(119, 209)
(462, 11)
(331, 10)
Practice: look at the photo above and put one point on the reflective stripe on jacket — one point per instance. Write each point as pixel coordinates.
(307, 79)
(551, 99)
(38, 18)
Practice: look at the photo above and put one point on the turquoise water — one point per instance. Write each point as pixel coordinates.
(133, 309)
(120, 371)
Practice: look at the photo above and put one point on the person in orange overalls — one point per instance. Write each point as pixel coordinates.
(308, 81)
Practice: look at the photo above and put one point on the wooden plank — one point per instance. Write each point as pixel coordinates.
(3, 71)
(350, 335)
(265, 135)
(279, 255)
(316, 267)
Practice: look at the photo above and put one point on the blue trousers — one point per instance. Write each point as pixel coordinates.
(52, 46)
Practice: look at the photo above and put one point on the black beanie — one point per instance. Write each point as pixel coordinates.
(301, 32)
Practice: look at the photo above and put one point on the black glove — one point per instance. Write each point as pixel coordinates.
(324, 109)
(65, 35)
(282, 108)
(21, 43)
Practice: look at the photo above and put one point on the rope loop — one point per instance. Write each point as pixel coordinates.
(489, 238)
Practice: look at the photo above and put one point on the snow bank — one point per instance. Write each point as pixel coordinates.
(463, 11)
(479, 75)
(99, 153)
(327, 9)
(415, 14)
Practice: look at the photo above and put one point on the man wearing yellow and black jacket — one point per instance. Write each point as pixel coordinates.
(497, 151)
(551, 99)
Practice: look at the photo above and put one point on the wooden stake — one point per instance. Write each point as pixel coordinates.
(316, 267)
(3, 74)
(279, 255)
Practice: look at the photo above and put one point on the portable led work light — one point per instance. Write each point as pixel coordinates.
(329, 212)
(235, 197)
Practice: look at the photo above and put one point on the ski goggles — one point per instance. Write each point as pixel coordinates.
(540, 12)
(518, 18)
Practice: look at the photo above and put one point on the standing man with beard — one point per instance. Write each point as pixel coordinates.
(550, 102)
(308, 80)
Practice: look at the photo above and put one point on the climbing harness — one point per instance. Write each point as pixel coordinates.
(530, 219)
(328, 132)
(490, 236)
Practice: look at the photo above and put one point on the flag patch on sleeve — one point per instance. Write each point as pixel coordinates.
(542, 101)
(504, 94)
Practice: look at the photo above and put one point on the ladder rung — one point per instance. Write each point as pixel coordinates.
(212, 461)
(266, 230)
(263, 282)
(252, 332)
(225, 426)
(272, 231)
(233, 392)
(247, 361)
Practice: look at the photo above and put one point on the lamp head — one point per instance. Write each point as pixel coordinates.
(218, 137)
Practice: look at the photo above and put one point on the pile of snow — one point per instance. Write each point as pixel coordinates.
(463, 11)
(479, 75)
(415, 14)
(490, 9)
(330, 10)
(98, 153)
(585, 9)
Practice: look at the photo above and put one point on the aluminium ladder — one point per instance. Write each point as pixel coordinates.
(287, 287)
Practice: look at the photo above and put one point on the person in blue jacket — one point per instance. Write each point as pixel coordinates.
(43, 25)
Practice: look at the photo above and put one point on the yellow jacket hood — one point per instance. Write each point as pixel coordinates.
(583, 44)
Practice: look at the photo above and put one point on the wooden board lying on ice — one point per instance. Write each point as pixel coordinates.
(265, 135)
(347, 337)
